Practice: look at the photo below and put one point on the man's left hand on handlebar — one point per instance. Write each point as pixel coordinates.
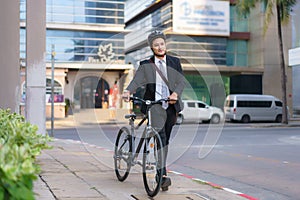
(173, 98)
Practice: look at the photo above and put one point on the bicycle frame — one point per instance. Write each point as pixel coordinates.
(147, 129)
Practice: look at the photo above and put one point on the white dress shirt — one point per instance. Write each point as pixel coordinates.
(159, 81)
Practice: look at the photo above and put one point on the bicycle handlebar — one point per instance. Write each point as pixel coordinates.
(149, 102)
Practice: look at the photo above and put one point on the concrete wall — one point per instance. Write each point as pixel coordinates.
(272, 68)
(264, 53)
(255, 46)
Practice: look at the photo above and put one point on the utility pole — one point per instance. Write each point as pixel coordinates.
(52, 89)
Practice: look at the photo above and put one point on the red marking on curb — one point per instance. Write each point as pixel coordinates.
(248, 197)
(187, 176)
(214, 185)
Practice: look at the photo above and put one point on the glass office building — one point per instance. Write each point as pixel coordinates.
(202, 55)
(88, 40)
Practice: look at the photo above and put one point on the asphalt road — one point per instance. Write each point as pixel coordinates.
(261, 162)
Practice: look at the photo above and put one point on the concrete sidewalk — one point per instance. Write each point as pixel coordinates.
(74, 170)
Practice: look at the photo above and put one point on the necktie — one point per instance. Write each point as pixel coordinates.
(164, 88)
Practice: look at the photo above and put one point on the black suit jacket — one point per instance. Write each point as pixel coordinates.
(146, 76)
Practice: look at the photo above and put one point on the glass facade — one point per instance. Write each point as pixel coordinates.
(206, 88)
(81, 45)
(22, 10)
(82, 11)
(192, 49)
(161, 19)
(22, 43)
(199, 50)
(77, 46)
(237, 23)
(237, 53)
(134, 7)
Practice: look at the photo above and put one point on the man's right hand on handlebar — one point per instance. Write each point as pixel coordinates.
(126, 95)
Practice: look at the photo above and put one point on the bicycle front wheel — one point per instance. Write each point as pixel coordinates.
(152, 164)
(123, 154)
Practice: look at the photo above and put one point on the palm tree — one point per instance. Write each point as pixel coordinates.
(283, 10)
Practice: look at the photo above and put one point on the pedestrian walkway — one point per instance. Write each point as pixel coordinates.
(77, 171)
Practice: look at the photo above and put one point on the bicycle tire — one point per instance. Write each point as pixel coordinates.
(123, 154)
(152, 163)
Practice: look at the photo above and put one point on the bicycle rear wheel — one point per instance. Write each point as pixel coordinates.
(123, 154)
(152, 164)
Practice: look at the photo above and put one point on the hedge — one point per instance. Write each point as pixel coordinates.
(19, 145)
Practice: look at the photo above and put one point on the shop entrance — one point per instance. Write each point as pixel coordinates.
(101, 95)
(89, 92)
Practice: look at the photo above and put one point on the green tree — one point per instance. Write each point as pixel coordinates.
(282, 10)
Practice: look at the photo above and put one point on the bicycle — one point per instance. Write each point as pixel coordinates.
(126, 154)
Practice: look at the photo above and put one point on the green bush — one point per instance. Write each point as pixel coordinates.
(19, 146)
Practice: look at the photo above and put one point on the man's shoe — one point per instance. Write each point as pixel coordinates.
(166, 182)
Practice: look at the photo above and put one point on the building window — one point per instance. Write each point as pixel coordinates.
(198, 50)
(58, 92)
(237, 23)
(91, 11)
(237, 53)
(81, 45)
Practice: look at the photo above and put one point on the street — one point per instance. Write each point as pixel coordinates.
(262, 162)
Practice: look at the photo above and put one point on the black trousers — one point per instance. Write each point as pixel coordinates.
(163, 121)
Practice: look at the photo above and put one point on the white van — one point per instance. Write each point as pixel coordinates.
(252, 107)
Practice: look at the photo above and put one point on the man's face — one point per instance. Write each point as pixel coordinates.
(159, 47)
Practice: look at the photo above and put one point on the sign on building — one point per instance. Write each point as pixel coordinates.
(201, 17)
(294, 57)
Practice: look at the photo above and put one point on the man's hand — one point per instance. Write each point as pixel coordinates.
(126, 95)
(173, 98)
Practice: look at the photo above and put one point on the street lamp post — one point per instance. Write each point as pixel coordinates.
(52, 88)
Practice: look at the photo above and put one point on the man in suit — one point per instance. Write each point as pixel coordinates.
(157, 87)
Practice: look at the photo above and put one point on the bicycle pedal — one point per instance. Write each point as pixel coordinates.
(139, 162)
(151, 167)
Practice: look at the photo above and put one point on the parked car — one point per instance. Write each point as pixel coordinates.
(198, 111)
(251, 107)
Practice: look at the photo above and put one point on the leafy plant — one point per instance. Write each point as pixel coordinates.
(19, 146)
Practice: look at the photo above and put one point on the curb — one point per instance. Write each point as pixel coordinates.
(214, 185)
